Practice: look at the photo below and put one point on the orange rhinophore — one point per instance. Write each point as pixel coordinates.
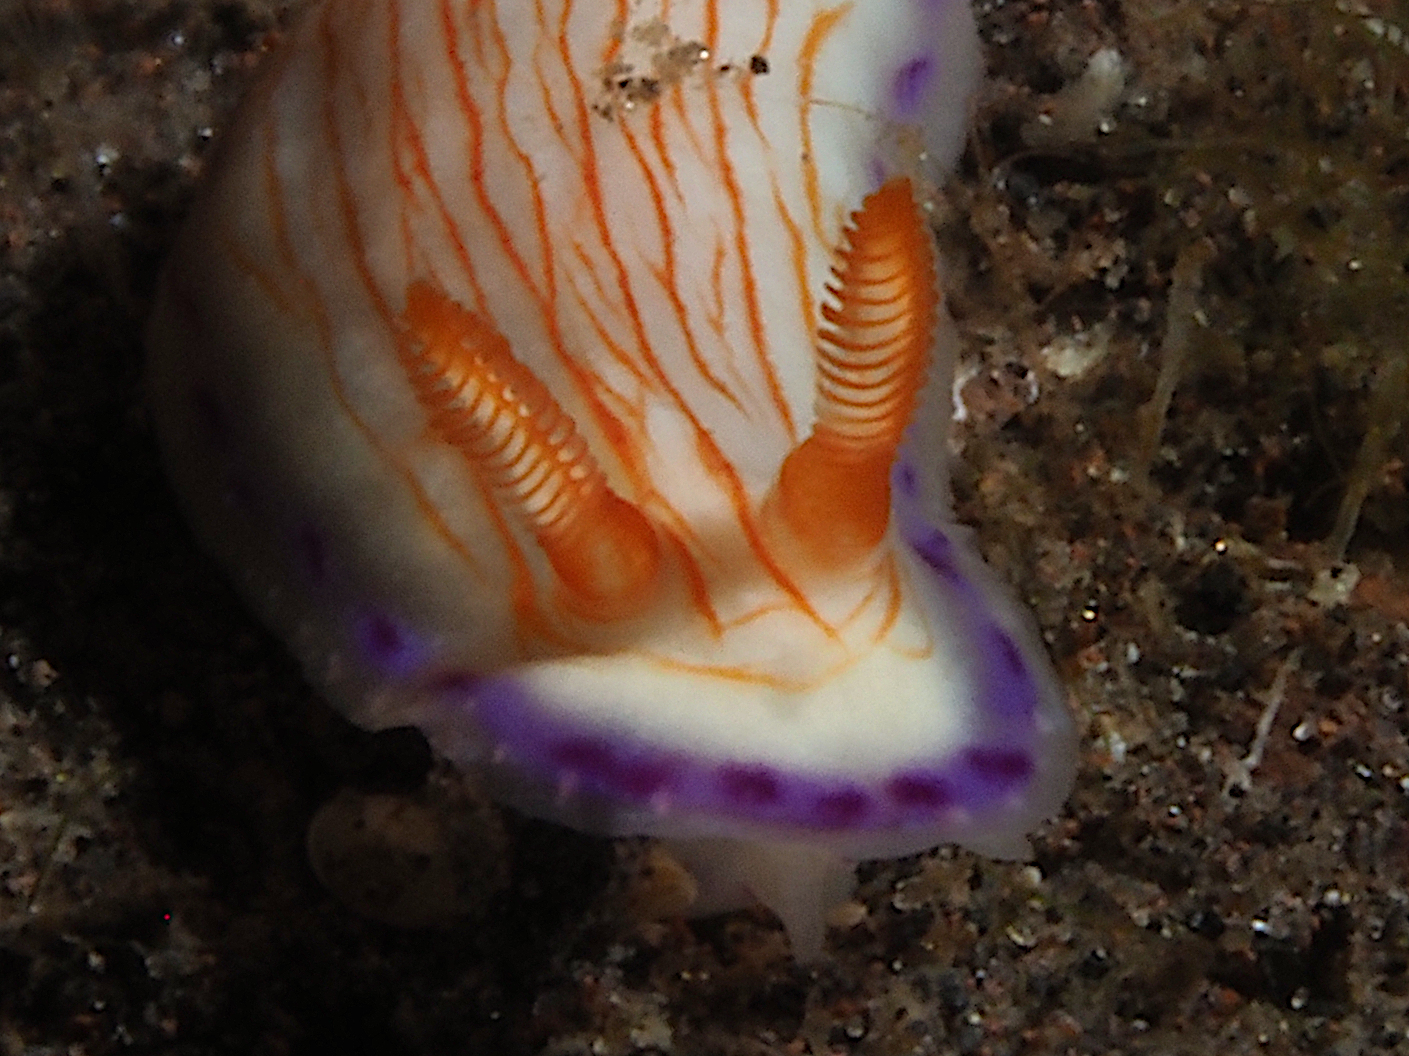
(833, 490)
(511, 431)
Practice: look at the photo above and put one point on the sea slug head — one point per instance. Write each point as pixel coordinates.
(566, 388)
(802, 671)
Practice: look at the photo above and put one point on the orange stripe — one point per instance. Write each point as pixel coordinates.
(540, 220)
(656, 124)
(618, 435)
(746, 81)
(719, 467)
(397, 129)
(593, 189)
(716, 279)
(612, 48)
(283, 242)
(687, 126)
(749, 291)
(715, 316)
(346, 197)
(622, 440)
(550, 106)
(713, 459)
(860, 608)
(618, 353)
(767, 41)
(529, 621)
(423, 504)
(422, 169)
(759, 612)
(747, 676)
(797, 252)
(271, 286)
(695, 584)
(283, 245)
(576, 375)
(823, 25)
(485, 10)
(668, 279)
(892, 613)
(247, 265)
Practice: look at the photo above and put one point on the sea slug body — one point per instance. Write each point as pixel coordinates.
(569, 381)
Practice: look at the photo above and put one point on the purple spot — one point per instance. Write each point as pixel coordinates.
(640, 780)
(603, 769)
(999, 766)
(905, 479)
(583, 756)
(910, 83)
(387, 644)
(1010, 655)
(1011, 695)
(840, 809)
(550, 749)
(752, 786)
(920, 791)
(935, 550)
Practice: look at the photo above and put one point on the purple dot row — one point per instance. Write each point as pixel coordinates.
(625, 769)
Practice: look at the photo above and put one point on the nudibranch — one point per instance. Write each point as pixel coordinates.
(570, 381)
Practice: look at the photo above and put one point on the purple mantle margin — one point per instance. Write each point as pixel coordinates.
(578, 759)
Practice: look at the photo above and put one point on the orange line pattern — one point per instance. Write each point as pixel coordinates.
(599, 251)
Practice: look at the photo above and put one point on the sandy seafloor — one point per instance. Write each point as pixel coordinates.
(1230, 874)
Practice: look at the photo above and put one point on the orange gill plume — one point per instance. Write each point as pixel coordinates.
(833, 490)
(522, 445)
